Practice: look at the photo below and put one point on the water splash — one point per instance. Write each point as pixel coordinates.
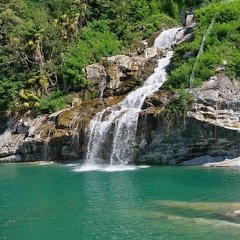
(107, 168)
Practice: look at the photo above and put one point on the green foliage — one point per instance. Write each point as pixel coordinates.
(222, 12)
(206, 64)
(53, 102)
(76, 60)
(95, 41)
(174, 9)
(155, 22)
(8, 92)
(180, 77)
(130, 20)
(46, 44)
(27, 99)
(221, 49)
(101, 41)
(178, 105)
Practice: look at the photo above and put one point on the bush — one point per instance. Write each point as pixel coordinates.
(53, 102)
(95, 41)
(221, 48)
(180, 77)
(178, 105)
(205, 66)
(8, 92)
(222, 12)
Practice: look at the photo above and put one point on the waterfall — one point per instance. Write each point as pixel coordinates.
(46, 145)
(111, 133)
(168, 38)
(103, 84)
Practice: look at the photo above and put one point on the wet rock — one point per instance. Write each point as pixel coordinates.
(155, 100)
(235, 162)
(203, 160)
(65, 119)
(12, 158)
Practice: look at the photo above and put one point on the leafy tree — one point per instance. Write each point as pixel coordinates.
(12, 61)
(95, 41)
(46, 44)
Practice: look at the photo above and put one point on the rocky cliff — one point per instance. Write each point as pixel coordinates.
(61, 136)
(210, 127)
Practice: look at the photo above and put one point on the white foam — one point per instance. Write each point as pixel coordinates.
(119, 168)
(72, 164)
(144, 166)
(87, 168)
(107, 168)
(205, 221)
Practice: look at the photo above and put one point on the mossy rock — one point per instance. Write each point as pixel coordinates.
(65, 119)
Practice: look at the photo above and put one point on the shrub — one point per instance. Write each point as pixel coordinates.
(180, 76)
(95, 41)
(178, 105)
(8, 92)
(53, 102)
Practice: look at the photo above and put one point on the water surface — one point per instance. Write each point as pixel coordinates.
(105, 202)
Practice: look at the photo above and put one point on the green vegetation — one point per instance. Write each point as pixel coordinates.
(178, 105)
(95, 42)
(45, 45)
(53, 102)
(221, 50)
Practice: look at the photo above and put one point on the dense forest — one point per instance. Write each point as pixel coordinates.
(45, 45)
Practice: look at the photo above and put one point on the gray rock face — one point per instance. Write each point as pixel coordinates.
(235, 162)
(166, 143)
(11, 158)
(21, 127)
(211, 127)
(123, 73)
(94, 71)
(218, 102)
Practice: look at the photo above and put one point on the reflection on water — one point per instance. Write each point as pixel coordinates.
(228, 212)
(118, 202)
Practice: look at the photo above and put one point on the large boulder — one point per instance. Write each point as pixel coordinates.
(120, 74)
(126, 72)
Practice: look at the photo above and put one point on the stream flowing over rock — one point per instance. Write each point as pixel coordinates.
(125, 125)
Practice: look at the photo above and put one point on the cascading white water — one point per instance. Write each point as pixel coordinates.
(169, 37)
(103, 84)
(112, 132)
